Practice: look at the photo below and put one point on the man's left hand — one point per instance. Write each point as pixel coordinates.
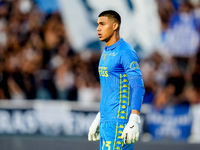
(131, 130)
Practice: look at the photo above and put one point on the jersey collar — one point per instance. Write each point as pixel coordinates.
(111, 47)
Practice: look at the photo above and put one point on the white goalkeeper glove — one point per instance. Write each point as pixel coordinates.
(131, 130)
(94, 134)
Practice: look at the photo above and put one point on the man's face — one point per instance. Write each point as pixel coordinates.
(105, 28)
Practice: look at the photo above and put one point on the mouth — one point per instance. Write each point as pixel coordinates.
(99, 35)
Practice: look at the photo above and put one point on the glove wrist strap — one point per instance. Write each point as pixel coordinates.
(97, 118)
(134, 117)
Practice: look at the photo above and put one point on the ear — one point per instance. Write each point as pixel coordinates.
(115, 26)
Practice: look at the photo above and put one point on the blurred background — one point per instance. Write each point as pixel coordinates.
(49, 84)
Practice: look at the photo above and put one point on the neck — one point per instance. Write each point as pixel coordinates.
(113, 40)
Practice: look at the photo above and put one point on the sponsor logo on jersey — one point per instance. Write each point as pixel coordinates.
(112, 54)
(103, 71)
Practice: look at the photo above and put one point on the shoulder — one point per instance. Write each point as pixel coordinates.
(126, 45)
(126, 49)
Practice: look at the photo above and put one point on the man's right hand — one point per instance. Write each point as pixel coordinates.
(94, 134)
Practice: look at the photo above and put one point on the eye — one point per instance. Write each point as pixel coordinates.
(101, 23)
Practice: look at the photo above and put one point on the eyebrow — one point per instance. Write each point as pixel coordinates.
(100, 22)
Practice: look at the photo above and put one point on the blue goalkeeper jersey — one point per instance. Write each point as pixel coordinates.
(120, 77)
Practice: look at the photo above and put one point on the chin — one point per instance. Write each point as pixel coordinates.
(102, 39)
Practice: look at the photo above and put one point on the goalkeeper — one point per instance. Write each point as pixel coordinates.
(122, 89)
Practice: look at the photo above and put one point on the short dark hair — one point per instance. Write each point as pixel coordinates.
(111, 14)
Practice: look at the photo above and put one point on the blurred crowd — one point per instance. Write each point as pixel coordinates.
(172, 72)
(37, 61)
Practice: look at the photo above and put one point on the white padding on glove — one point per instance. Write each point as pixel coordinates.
(94, 134)
(131, 130)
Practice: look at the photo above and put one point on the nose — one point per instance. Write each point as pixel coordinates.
(98, 28)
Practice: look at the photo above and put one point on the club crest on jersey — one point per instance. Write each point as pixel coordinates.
(104, 57)
(134, 65)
